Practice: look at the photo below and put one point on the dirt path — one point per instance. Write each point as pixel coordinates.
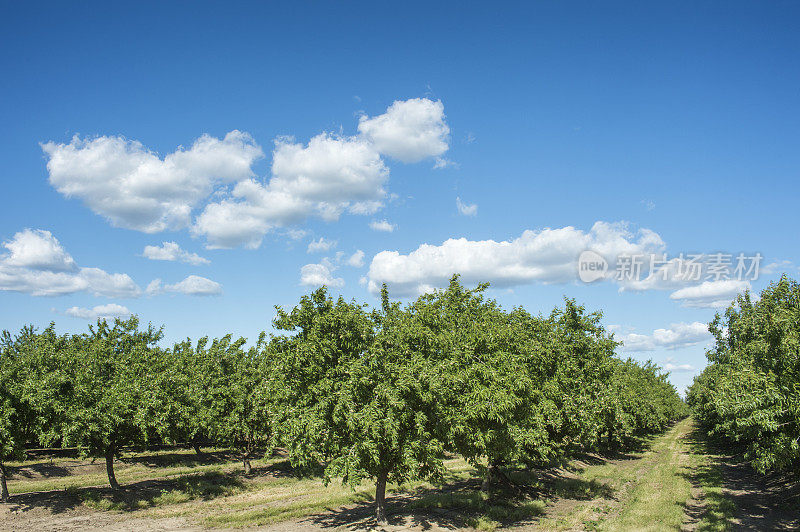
(77, 521)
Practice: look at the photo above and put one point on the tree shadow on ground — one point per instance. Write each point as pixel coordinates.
(136, 495)
(459, 503)
(749, 500)
(38, 470)
(631, 450)
(186, 459)
(284, 469)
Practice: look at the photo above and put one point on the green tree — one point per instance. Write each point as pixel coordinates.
(487, 377)
(362, 393)
(13, 423)
(749, 395)
(32, 387)
(224, 396)
(112, 394)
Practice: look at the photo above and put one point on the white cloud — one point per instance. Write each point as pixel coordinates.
(780, 266)
(154, 287)
(465, 208)
(356, 260)
(548, 256)
(245, 216)
(710, 294)
(171, 251)
(37, 264)
(320, 274)
(327, 177)
(112, 310)
(409, 130)
(677, 336)
(296, 234)
(321, 245)
(134, 188)
(38, 250)
(381, 225)
(671, 366)
(668, 276)
(332, 170)
(193, 285)
(214, 183)
(442, 163)
(363, 208)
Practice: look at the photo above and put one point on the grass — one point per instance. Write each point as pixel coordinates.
(202, 486)
(653, 489)
(481, 510)
(310, 503)
(719, 511)
(132, 468)
(650, 490)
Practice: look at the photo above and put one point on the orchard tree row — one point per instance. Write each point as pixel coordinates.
(749, 395)
(384, 393)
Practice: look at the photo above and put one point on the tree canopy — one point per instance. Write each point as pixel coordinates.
(749, 395)
(382, 393)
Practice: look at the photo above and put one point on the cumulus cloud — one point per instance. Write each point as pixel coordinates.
(331, 170)
(193, 285)
(171, 251)
(710, 294)
(325, 178)
(321, 245)
(320, 274)
(110, 311)
(38, 250)
(211, 187)
(381, 225)
(134, 188)
(409, 130)
(672, 367)
(328, 176)
(36, 263)
(323, 273)
(356, 260)
(547, 256)
(678, 335)
(465, 208)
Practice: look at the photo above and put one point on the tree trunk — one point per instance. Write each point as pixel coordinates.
(112, 479)
(196, 444)
(495, 478)
(248, 452)
(380, 498)
(3, 485)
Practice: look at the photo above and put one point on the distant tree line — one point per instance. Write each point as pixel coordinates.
(748, 397)
(384, 393)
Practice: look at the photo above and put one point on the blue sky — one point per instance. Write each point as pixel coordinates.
(674, 125)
